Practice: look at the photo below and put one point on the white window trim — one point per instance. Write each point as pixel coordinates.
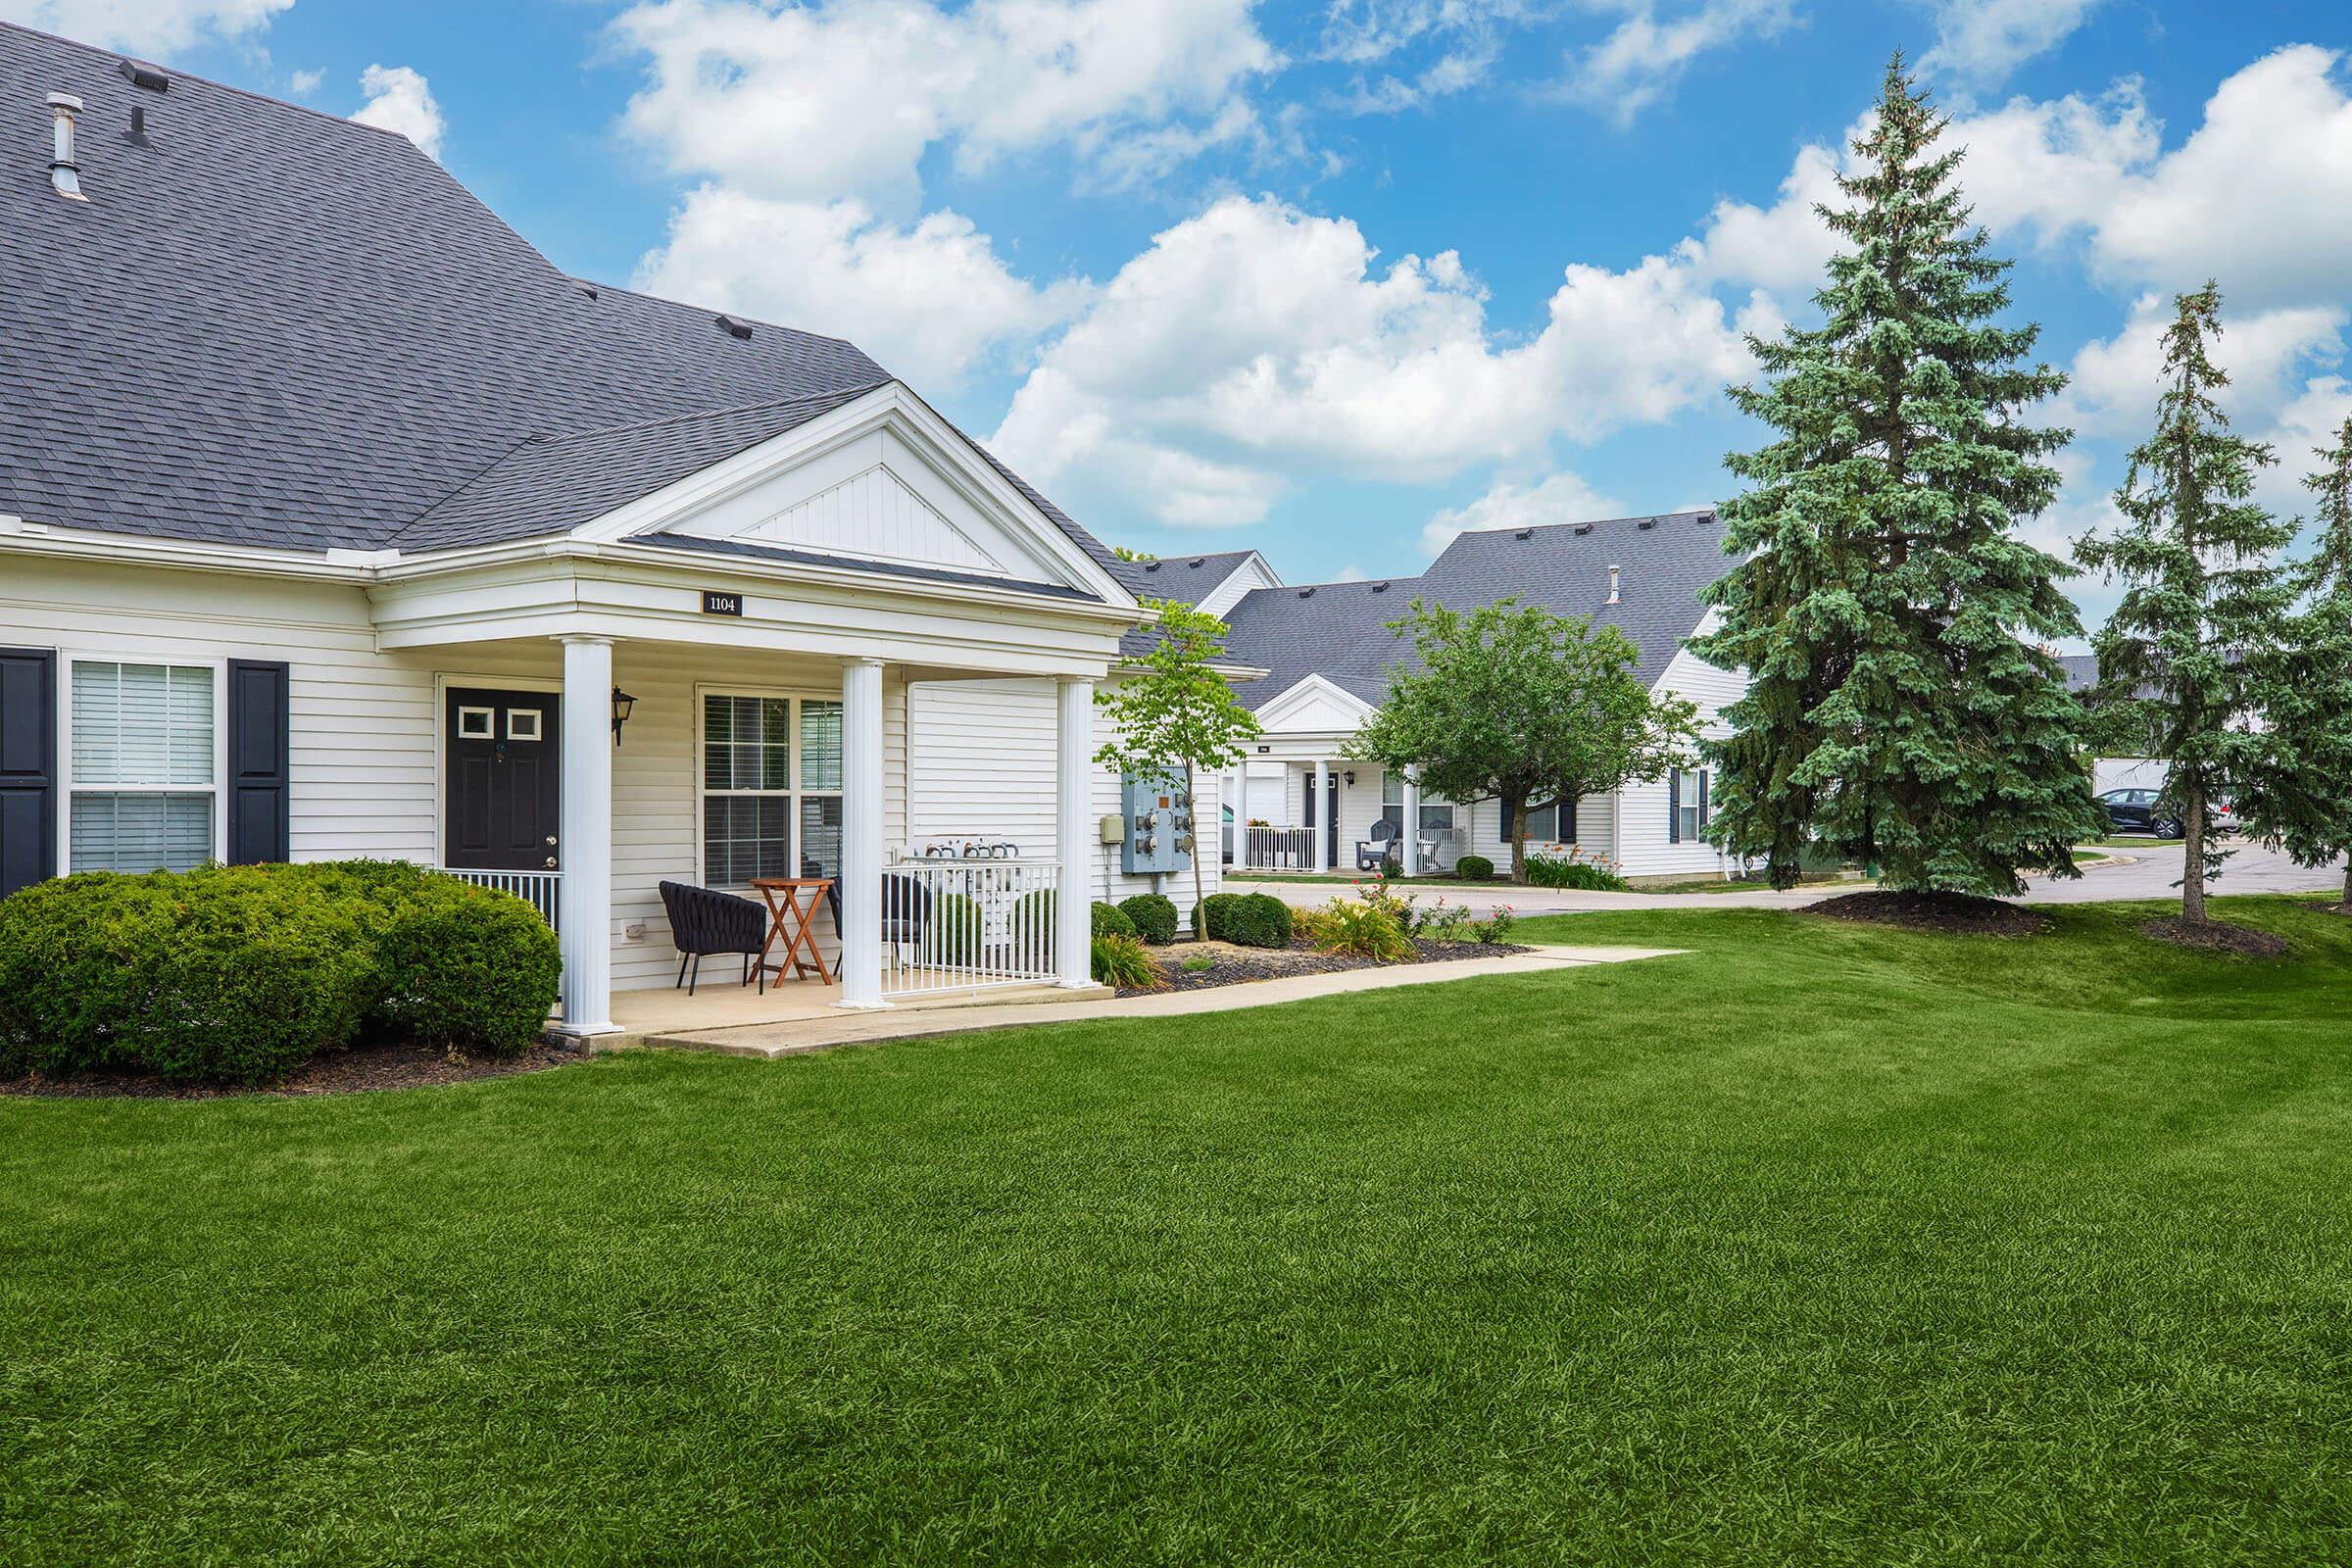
(66, 659)
(797, 696)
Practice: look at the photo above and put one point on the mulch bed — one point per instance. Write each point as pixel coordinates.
(349, 1070)
(1962, 914)
(2217, 936)
(1238, 965)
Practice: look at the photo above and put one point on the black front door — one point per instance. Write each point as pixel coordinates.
(505, 780)
(1318, 791)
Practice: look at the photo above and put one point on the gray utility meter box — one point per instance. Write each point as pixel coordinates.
(1158, 815)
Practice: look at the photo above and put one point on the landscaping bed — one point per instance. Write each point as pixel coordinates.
(339, 1070)
(2217, 936)
(1958, 913)
(1233, 966)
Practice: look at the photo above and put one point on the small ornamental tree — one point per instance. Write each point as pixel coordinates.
(1179, 712)
(1900, 711)
(2304, 803)
(1510, 701)
(2204, 604)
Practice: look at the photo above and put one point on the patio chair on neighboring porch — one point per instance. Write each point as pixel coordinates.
(1381, 846)
(906, 909)
(704, 921)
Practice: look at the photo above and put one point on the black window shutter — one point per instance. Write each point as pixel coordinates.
(1674, 806)
(1703, 800)
(258, 761)
(27, 766)
(1506, 821)
(1571, 831)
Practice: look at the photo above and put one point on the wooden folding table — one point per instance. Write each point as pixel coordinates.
(792, 905)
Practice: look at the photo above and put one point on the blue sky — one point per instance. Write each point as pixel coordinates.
(1331, 279)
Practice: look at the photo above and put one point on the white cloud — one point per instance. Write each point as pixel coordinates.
(1253, 342)
(844, 97)
(928, 301)
(150, 26)
(1465, 36)
(1982, 41)
(1556, 498)
(400, 99)
(1643, 58)
(302, 83)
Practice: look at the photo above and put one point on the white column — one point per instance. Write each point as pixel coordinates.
(1408, 846)
(586, 899)
(1073, 832)
(861, 833)
(1323, 815)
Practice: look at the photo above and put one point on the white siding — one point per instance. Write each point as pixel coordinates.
(982, 756)
(1647, 850)
(366, 777)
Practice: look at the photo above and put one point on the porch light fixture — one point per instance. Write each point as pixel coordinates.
(623, 703)
(1349, 776)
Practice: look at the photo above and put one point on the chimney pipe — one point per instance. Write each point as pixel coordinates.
(1613, 585)
(63, 173)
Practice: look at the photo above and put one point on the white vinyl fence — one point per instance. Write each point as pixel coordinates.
(1279, 849)
(541, 889)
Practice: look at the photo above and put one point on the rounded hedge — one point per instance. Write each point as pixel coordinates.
(1109, 923)
(242, 973)
(1210, 914)
(1474, 868)
(1153, 918)
(1259, 920)
(952, 935)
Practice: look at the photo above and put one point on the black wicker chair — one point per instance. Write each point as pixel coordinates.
(704, 921)
(906, 909)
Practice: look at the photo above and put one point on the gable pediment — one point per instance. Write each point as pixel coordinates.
(1314, 705)
(882, 479)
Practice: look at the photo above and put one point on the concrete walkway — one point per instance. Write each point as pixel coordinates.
(2131, 873)
(802, 1035)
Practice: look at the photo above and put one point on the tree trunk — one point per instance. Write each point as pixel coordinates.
(1192, 793)
(2347, 903)
(1516, 805)
(2192, 852)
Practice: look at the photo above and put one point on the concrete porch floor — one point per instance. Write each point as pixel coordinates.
(720, 1006)
(817, 1027)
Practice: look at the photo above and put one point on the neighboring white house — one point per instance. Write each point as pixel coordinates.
(1327, 650)
(334, 520)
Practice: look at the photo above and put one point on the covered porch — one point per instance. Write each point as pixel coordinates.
(587, 753)
(1304, 807)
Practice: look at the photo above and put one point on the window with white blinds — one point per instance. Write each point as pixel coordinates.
(772, 787)
(143, 766)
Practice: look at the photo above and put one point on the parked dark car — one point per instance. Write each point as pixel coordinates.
(2136, 812)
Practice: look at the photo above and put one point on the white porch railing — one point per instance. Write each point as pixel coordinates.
(967, 925)
(541, 889)
(1278, 849)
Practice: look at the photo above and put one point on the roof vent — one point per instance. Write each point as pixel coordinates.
(588, 289)
(1380, 587)
(1614, 598)
(138, 123)
(1150, 565)
(1582, 528)
(1198, 562)
(1306, 593)
(734, 327)
(1525, 533)
(142, 75)
(1705, 518)
(1646, 522)
(64, 174)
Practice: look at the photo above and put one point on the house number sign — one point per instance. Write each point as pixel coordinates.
(715, 603)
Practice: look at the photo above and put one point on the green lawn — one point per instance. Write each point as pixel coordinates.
(1820, 1246)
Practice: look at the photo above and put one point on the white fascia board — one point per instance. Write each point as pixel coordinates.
(892, 405)
(124, 548)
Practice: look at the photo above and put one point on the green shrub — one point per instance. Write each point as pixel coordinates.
(953, 934)
(1109, 923)
(1258, 920)
(1575, 869)
(1153, 916)
(224, 973)
(1031, 923)
(1361, 929)
(1125, 963)
(1496, 927)
(1474, 868)
(1212, 916)
(465, 968)
(1392, 866)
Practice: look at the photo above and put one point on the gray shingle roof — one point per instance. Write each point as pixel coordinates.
(270, 327)
(1340, 630)
(1187, 579)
